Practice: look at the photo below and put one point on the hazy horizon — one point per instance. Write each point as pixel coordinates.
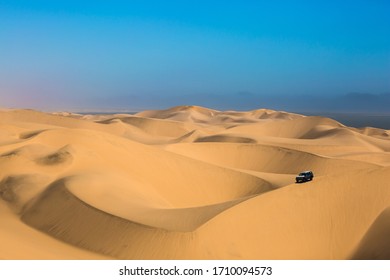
(236, 55)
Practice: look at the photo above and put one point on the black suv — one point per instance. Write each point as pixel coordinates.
(304, 176)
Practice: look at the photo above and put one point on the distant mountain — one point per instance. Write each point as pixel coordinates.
(351, 103)
(366, 102)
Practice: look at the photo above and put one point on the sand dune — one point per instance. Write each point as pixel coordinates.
(325, 219)
(266, 158)
(191, 183)
(375, 245)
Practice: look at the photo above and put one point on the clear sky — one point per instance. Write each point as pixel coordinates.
(132, 55)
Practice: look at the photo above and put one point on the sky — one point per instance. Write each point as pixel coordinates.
(241, 55)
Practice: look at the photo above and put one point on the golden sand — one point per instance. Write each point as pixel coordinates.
(191, 183)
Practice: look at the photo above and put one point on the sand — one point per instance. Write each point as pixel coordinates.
(191, 183)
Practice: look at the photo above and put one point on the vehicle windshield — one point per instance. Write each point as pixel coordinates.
(302, 174)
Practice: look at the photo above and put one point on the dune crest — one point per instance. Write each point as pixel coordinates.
(375, 244)
(191, 182)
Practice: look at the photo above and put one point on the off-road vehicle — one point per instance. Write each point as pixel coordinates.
(304, 176)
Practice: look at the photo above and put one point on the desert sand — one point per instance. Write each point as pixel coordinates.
(191, 183)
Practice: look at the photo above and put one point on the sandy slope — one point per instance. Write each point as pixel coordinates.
(191, 183)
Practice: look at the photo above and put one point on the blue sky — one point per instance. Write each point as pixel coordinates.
(133, 55)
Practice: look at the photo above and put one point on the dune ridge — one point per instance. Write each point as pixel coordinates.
(375, 244)
(191, 183)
